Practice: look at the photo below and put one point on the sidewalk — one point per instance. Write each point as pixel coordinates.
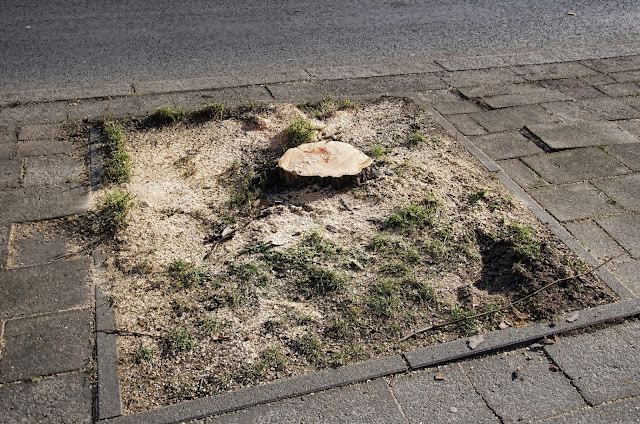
(560, 129)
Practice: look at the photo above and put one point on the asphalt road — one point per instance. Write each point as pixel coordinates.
(49, 44)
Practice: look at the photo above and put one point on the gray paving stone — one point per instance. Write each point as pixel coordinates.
(395, 84)
(620, 89)
(629, 273)
(451, 400)
(46, 345)
(575, 165)
(610, 109)
(629, 154)
(44, 147)
(465, 125)
(581, 134)
(631, 332)
(62, 399)
(5, 233)
(627, 76)
(570, 111)
(619, 226)
(589, 80)
(521, 174)
(506, 145)
(10, 173)
(512, 118)
(44, 289)
(602, 365)
(36, 249)
(573, 202)
(108, 395)
(372, 70)
(508, 100)
(582, 93)
(365, 403)
(8, 150)
(456, 107)
(595, 240)
(229, 96)
(553, 71)
(437, 96)
(36, 203)
(632, 127)
(521, 389)
(41, 113)
(614, 64)
(39, 132)
(624, 190)
(52, 170)
(8, 134)
(502, 90)
(481, 77)
(96, 110)
(626, 411)
(298, 91)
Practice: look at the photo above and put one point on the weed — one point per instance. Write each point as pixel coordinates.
(309, 346)
(525, 243)
(180, 340)
(415, 216)
(186, 164)
(422, 292)
(416, 138)
(379, 152)
(320, 281)
(347, 103)
(186, 274)
(247, 186)
(382, 300)
(113, 211)
(145, 354)
(300, 131)
(478, 195)
(211, 111)
(321, 109)
(413, 256)
(243, 271)
(118, 166)
(167, 115)
(467, 325)
(210, 327)
(270, 359)
(274, 326)
(319, 244)
(395, 270)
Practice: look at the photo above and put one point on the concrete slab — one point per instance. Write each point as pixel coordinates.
(10, 173)
(602, 365)
(620, 89)
(626, 411)
(8, 134)
(44, 147)
(438, 96)
(229, 96)
(361, 403)
(627, 76)
(36, 249)
(35, 203)
(629, 273)
(631, 332)
(582, 134)
(503, 90)
(520, 386)
(508, 100)
(582, 93)
(298, 91)
(585, 81)
(524, 176)
(595, 240)
(53, 170)
(553, 71)
(624, 190)
(97, 110)
(481, 77)
(39, 132)
(603, 108)
(5, 234)
(628, 154)
(372, 70)
(619, 226)
(633, 127)
(573, 202)
(8, 150)
(456, 107)
(394, 84)
(614, 64)
(506, 145)
(465, 125)
(46, 345)
(450, 399)
(569, 112)
(513, 118)
(60, 399)
(44, 289)
(40, 113)
(575, 165)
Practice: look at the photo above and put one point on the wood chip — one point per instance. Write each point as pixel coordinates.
(439, 377)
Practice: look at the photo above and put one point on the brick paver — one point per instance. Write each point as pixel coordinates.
(513, 118)
(521, 174)
(621, 228)
(582, 134)
(553, 71)
(629, 155)
(595, 240)
(575, 201)
(506, 145)
(624, 190)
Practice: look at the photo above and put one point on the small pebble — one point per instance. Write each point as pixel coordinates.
(453, 409)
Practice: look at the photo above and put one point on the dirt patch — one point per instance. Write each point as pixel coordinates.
(226, 277)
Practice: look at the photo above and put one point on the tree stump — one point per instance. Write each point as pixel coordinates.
(326, 163)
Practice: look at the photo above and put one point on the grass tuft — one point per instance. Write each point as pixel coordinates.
(167, 115)
(118, 166)
(415, 216)
(113, 211)
(300, 131)
(180, 340)
(186, 274)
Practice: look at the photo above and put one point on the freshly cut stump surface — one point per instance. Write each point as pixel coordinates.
(325, 162)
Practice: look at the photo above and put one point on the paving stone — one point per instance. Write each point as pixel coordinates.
(52, 170)
(465, 125)
(627, 76)
(450, 400)
(36, 249)
(96, 110)
(614, 64)
(437, 96)
(361, 403)
(521, 389)
(43, 289)
(631, 332)
(481, 77)
(575, 165)
(588, 80)
(595, 240)
(624, 190)
(60, 399)
(626, 411)
(39, 132)
(573, 202)
(629, 154)
(620, 89)
(506, 145)
(395, 84)
(298, 91)
(553, 71)
(453, 108)
(8, 150)
(629, 273)
(8, 134)
(602, 365)
(632, 127)
(502, 89)
(570, 111)
(10, 172)
(582, 134)
(508, 100)
(373, 70)
(607, 108)
(41, 113)
(44, 147)
(46, 344)
(512, 118)
(524, 176)
(229, 96)
(36, 203)
(619, 228)
(582, 93)
(5, 233)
